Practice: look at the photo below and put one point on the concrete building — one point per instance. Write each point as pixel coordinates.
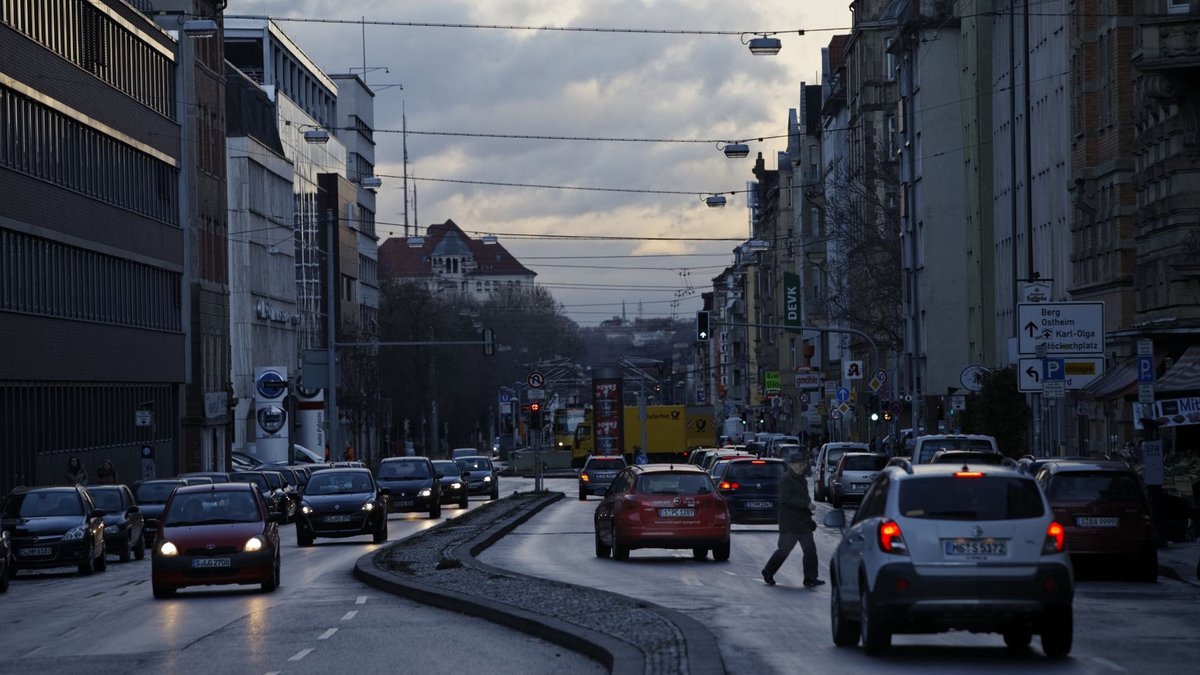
(451, 262)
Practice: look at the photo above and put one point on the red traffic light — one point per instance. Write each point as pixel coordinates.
(535, 407)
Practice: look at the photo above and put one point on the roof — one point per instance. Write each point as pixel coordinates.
(681, 467)
(837, 52)
(214, 487)
(1119, 382)
(399, 260)
(1184, 376)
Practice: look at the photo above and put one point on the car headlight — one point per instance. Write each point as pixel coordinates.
(368, 506)
(425, 492)
(112, 529)
(253, 544)
(305, 509)
(168, 549)
(74, 534)
(456, 486)
(487, 479)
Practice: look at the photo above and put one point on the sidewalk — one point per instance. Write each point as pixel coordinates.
(1179, 561)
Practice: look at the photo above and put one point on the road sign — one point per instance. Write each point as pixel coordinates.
(958, 402)
(876, 384)
(804, 397)
(843, 394)
(1063, 327)
(1077, 372)
(1145, 369)
(835, 414)
(1054, 389)
(854, 370)
(1035, 291)
(971, 377)
(843, 408)
(1145, 347)
(505, 395)
(1052, 370)
(808, 380)
(830, 388)
(1146, 394)
(535, 394)
(895, 407)
(881, 375)
(536, 380)
(143, 418)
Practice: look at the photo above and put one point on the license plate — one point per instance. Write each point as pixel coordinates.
(404, 503)
(211, 562)
(760, 505)
(859, 486)
(337, 519)
(1086, 521)
(967, 547)
(34, 552)
(676, 513)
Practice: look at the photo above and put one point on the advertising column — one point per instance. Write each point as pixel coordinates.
(607, 411)
(310, 418)
(271, 441)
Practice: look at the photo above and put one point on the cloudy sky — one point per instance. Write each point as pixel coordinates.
(575, 84)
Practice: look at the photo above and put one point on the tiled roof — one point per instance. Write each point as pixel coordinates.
(397, 259)
(837, 52)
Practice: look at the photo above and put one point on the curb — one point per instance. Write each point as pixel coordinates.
(620, 657)
(1172, 573)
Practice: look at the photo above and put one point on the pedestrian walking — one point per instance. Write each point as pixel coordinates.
(107, 473)
(796, 523)
(349, 453)
(76, 474)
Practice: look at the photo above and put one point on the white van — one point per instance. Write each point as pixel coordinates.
(924, 447)
(732, 429)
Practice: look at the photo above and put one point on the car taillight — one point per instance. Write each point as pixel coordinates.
(891, 540)
(758, 461)
(726, 485)
(968, 474)
(584, 477)
(1054, 539)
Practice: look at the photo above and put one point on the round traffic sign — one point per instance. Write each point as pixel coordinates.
(894, 407)
(536, 380)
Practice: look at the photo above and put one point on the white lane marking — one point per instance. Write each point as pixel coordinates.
(327, 634)
(350, 615)
(300, 654)
(1106, 663)
(362, 600)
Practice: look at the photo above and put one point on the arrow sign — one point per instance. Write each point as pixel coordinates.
(1032, 329)
(1033, 373)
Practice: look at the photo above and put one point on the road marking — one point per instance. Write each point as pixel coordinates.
(350, 615)
(273, 672)
(300, 654)
(328, 634)
(362, 600)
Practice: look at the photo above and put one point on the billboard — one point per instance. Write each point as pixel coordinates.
(271, 442)
(607, 408)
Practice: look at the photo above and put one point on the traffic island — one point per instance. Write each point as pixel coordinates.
(438, 567)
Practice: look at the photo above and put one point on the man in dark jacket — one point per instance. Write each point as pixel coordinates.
(796, 523)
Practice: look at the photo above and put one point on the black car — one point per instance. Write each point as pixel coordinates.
(598, 473)
(151, 496)
(342, 503)
(289, 497)
(454, 482)
(413, 484)
(295, 476)
(123, 521)
(273, 497)
(750, 488)
(482, 478)
(216, 476)
(55, 527)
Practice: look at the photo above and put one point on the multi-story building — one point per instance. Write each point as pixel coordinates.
(449, 261)
(92, 242)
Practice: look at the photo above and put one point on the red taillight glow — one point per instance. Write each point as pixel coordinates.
(1055, 542)
(891, 540)
(726, 485)
(968, 474)
(584, 477)
(758, 461)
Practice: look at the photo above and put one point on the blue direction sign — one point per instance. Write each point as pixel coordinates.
(1053, 370)
(1145, 366)
(843, 394)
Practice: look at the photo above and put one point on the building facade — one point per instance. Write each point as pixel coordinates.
(450, 261)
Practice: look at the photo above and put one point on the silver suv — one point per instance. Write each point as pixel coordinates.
(939, 547)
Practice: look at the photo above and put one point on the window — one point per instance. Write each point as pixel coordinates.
(889, 60)
(1177, 6)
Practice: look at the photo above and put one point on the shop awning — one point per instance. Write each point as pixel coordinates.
(1183, 376)
(1115, 383)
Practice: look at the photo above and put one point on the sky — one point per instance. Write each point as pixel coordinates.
(594, 84)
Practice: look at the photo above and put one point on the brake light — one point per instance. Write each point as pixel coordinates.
(584, 477)
(891, 540)
(758, 461)
(1054, 539)
(726, 485)
(968, 474)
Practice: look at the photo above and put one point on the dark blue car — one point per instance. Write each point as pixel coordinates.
(751, 489)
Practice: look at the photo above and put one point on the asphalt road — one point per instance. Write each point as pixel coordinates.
(1119, 626)
(320, 620)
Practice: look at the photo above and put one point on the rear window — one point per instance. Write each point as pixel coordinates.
(1103, 485)
(254, 478)
(475, 464)
(674, 484)
(154, 493)
(932, 446)
(606, 463)
(404, 470)
(754, 471)
(986, 498)
(865, 463)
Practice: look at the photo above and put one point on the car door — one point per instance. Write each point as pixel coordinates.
(93, 520)
(857, 538)
(133, 514)
(604, 511)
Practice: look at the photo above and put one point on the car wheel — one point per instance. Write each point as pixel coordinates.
(161, 592)
(464, 502)
(845, 631)
(126, 552)
(435, 511)
(721, 551)
(139, 551)
(495, 492)
(381, 532)
(88, 566)
(1017, 639)
(302, 539)
(619, 550)
(1057, 632)
(602, 550)
(700, 553)
(271, 584)
(582, 495)
(102, 559)
(871, 628)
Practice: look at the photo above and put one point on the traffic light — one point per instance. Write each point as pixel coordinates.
(887, 415)
(702, 332)
(535, 415)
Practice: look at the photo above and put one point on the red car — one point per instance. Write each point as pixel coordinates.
(215, 534)
(662, 506)
(1105, 513)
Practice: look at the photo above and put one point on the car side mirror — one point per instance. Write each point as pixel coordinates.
(835, 518)
(464, 475)
(385, 491)
(132, 510)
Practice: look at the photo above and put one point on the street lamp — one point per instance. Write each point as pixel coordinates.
(736, 150)
(764, 46)
(199, 28)
(371, 182)
(715, 201)
(416, 242)
(316, 136)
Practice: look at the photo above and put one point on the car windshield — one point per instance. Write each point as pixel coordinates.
(155, 493)
(475, 464)
(404, 470)
(755, 471)
(44, 504)
(257, 479)
(931, 446)
(273, 479)
(212, 508)
(333, 482)
(447, 469)
(107, 499)
(1092, 486)
(970, 498)
(674, 484)
(864, 463)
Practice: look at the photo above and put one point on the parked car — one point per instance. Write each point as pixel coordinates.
(215, 476)
(1105, 512)
(453, 482)
(459, 453)
(853, 475)
(662, 506)
(750, 487)
(970, 458)
(343, 503)
(933, 548)
(697, 455)
(215, 534)
(152, 496)
(482, 478)
(925, 447)
(827, 459)
(290, 498)
(123, 521)
(244, 462)
(273, 497)
(412, 483)
(54, 527)
(597, 473)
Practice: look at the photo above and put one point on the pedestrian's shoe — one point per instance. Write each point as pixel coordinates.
(814, 582)
(769, 578)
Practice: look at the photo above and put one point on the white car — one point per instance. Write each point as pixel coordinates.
(827, 459)
(924, 447)
(938, 547)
